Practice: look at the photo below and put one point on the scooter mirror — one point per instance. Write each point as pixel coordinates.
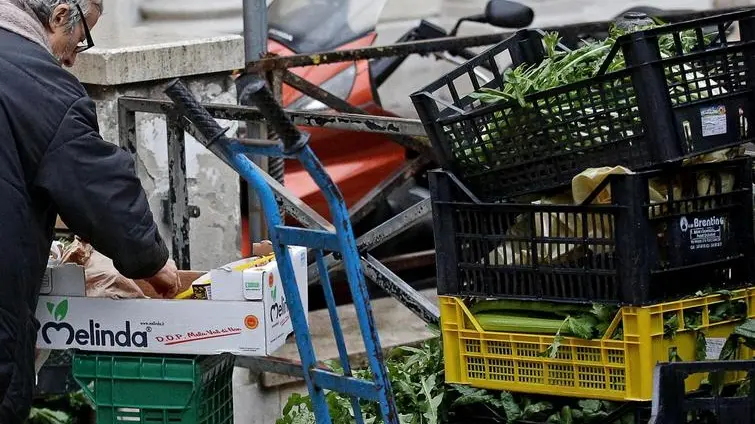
(508, 14)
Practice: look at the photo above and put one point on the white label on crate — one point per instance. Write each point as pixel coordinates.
(713, 120)
(713, 347)
(704, 233)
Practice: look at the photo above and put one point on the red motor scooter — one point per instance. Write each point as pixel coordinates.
(357, 162)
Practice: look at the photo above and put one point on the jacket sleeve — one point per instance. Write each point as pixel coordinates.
(94, 185)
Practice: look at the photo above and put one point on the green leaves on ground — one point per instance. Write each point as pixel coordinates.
(422, 397)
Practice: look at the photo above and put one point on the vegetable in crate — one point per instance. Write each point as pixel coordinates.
(517, 249)
(582, 108)
(556, 319)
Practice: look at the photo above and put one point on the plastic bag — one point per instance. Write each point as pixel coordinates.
(102, 279)
(561, 226)
(40, 357)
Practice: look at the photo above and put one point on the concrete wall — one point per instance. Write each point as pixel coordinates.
(140, 66)
(213, 187)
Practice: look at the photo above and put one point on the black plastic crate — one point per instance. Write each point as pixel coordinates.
(627, 252)
(632, 117)
(671, 404)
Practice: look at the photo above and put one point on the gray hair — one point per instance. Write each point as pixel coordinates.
(44, 8)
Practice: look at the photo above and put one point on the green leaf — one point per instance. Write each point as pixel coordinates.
(510, 407)
(627, 419)
(590, 405)
(582, 326)
(535, 409)
(411, 350)
(693, 319)
(61, 310)
(730, 349)
(430, 410)
(471, 396)
(405, 418)
(294, 401)
(48, 416)
(747, 332)
(306, 417)
(435, 402)
(673, 355)
(723, 311)
(50, 307)
(671, 326)
(334, 365)
(566, 415)
(552, 350)
(434, 329)
(701, 346)
(604, 313)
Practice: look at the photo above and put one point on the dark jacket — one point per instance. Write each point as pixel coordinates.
(54, 162)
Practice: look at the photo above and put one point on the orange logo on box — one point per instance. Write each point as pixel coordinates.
(270, 280)
(251, 322)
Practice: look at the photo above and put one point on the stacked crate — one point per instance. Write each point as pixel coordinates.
(656, 116)
(157, 389)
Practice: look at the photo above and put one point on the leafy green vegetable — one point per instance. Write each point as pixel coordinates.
(47, 416)
(422, 397)
(583, 326)
(510, 407)
(583, 321)
(701, 346)
(59, 409)
(541, 317)
(582, 116)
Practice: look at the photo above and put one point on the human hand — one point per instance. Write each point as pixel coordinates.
(166, 281)
(263, 248)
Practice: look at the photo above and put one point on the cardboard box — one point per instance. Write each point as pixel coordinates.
(246, 280)
(203, 327)
(64, 280)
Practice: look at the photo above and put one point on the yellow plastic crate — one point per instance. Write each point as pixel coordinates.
(597, 369)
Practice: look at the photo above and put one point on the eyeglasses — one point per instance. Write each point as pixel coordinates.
(89, 42)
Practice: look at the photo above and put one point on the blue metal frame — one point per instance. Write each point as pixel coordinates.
(236, 154)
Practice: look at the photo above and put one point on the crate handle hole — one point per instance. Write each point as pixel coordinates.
(688, 134)
(128, 415)
(743, 124)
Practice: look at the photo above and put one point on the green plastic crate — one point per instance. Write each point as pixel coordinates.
(151, 389)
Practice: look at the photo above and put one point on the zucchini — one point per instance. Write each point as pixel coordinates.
(515, 323)
(550, 308)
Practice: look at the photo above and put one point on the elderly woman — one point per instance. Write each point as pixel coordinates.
(54, 162)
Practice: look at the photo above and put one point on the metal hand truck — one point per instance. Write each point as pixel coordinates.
(341, 241)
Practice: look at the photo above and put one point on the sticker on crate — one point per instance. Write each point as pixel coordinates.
(704, 233)
(713, 120)
(656, 236)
